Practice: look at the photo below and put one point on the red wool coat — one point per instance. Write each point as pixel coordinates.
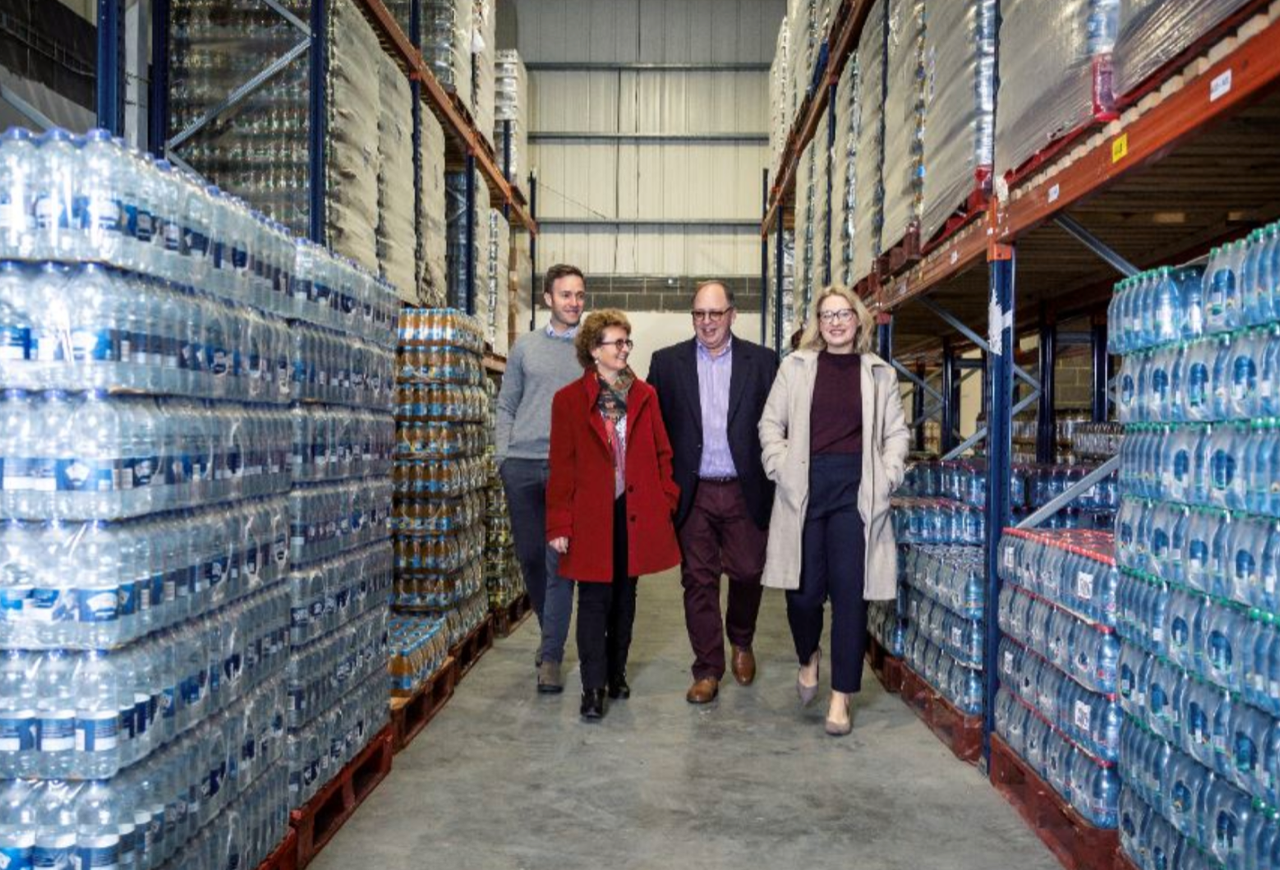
(580, 490)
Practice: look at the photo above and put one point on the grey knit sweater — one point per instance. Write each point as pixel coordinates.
(537, 367)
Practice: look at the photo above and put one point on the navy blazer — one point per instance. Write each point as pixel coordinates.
(673, 372)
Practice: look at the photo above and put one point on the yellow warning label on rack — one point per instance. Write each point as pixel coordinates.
(1119, 147)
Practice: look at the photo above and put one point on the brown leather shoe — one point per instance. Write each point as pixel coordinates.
(703, 691)
(744, 665)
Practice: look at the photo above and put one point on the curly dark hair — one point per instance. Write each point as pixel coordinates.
(593, 326)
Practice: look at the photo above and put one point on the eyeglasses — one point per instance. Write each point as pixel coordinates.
(711, 314)
(842, 315)
(620, 345)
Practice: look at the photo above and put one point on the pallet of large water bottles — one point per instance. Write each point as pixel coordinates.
(156, 339)
(1057, 706)
(943, 500)
(441, 470)
(1196, 541)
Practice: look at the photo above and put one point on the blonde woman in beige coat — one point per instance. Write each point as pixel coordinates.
(835, 442)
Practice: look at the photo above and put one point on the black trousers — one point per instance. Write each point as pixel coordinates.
(606, 614)
(833, 567)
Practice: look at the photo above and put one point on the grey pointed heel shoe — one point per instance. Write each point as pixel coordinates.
(808, 693)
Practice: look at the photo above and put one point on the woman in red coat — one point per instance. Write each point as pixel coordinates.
(610, 499)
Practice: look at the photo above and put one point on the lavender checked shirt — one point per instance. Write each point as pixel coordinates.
(713, 394)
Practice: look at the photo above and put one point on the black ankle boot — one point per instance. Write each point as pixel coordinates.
(618, 687)
(592, 704)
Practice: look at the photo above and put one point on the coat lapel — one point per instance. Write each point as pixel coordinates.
(592, 388)
(689, 376)
(739, 374)
(636, 400)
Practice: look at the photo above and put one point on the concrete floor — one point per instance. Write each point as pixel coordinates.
(505, 778)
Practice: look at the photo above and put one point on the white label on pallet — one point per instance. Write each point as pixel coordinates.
(1055, 192)
(955, 257)
(1082, 715)
(1220, 86)
(1084, 585)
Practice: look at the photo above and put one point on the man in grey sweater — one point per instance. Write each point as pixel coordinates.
(539, 364)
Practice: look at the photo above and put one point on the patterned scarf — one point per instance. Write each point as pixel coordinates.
(612, 404)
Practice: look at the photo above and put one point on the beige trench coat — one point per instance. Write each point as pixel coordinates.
(784, 438)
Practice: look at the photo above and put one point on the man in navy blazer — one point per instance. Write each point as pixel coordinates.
(712, 390)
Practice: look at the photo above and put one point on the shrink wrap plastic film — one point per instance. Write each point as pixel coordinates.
(960, 68)
(904, 119)
(483, 53)
(1152, 33)
(447, 34)
(819, 202)
(804, 253)
(868, 216)
(352, 166)
(512, 104)
(432, 225)
(260, 152)
(844, 197)
(802, 52)
(498, 260)
(780, 117)
(1055, 58)
(397, 240)
(484, 230)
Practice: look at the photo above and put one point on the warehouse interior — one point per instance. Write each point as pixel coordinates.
(278, 278)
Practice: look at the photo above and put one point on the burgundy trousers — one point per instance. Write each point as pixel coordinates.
(719, 537)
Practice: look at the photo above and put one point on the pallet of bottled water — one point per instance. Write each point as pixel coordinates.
(1057, 663)
(940, 604)
(1196, 543)
(195, 449)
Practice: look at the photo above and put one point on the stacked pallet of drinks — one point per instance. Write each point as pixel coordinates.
(1196, 539)
(780, 114)
(339, 509)
(868, 213)
(440, 470)
(805, 253)
(260, 152)
(419, 646)
(511, 114)
(844, 186)
(484, 56)
(1057, 707)
(904, 119)
(1055, 73)
(502, 576)
(964, 481)
(784, 319)
(148, 368)
(496, 283)
(467, 232)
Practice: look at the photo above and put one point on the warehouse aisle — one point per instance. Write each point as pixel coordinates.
(504, 778)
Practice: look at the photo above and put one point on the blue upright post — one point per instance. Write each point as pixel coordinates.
(831, 147)
(110, 102)
(764, 266)
(533, 253)
(884, 336)
(469, 304)
(948, 418)
(158, 101)
(999, 455)
(1101, 368)
(917, 409)
(318, 74)
(1046, 418)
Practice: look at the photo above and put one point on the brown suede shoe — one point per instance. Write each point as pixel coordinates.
(744, 665)
(703, 691)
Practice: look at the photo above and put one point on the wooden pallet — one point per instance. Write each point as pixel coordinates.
(323, 815)
(888, 668)
(468, 650)
(965, 213)
(410, 715)
(962, 734)
(906, 252)
(1076, 843)
(509, 617)
(285, 856)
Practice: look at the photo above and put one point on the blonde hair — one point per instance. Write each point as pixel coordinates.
(865, 337)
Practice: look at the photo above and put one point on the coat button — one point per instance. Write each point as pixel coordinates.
(631, 489)
(633, 518)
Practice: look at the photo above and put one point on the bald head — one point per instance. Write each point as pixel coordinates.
(713, 315)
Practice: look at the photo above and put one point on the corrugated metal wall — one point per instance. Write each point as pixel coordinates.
(698, 201)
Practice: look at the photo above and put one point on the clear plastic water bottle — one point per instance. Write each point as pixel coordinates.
(97, 717)
(55, 817)
(17, 193)
(55, 715)
(58, 171)
(17, 714)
